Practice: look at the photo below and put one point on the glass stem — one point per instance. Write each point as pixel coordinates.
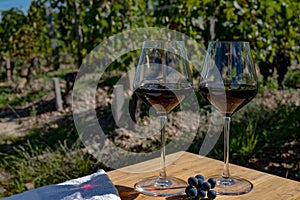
(163, 119)
(226, 173)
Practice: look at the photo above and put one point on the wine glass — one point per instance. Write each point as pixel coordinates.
(228, 81)
(162, 81)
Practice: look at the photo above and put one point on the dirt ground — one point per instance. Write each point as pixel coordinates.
(16, 122)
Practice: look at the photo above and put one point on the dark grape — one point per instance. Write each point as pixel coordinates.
(199, 189)
(211, 194)
(200, 176)
(201, 194)
(205, 186)
(200, 182)
(212, 182)
(191, 191)
(193, 181)
(188, 188)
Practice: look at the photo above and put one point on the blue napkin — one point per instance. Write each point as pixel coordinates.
(96, 186)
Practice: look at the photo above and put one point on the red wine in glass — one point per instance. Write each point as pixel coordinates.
(162, 81)
(236, 98)
(228, 81)
(164, 97)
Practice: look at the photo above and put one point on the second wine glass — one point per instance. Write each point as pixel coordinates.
(228, 81)
(162, 81)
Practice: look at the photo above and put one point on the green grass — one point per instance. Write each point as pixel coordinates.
(45, 167)
(8, 97)
(41, 139)
(5, 93)
(254, 129)
(44, 157)
(257, 127)
(292, 79)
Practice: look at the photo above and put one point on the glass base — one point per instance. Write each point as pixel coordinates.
(232, 186)
(157, 186)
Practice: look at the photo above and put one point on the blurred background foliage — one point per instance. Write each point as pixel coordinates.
(74, 27)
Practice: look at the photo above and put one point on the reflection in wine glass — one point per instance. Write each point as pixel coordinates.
(162, 80)
(228, 81)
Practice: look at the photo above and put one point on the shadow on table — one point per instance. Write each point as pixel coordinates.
(127, 192)
(180, 197)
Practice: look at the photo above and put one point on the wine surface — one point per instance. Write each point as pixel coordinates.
(228, 100)
(163, 97)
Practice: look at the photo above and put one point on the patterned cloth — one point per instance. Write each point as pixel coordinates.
(96, 186)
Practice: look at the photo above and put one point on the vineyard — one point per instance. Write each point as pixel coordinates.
(54, 37)
(38, 41)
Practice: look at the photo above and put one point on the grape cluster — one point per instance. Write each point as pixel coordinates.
(198, 188)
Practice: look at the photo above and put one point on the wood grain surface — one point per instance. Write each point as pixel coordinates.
(266, 186)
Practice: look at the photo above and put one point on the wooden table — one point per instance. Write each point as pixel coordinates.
(266, 186)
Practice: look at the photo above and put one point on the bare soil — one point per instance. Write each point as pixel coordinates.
(17, 121)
